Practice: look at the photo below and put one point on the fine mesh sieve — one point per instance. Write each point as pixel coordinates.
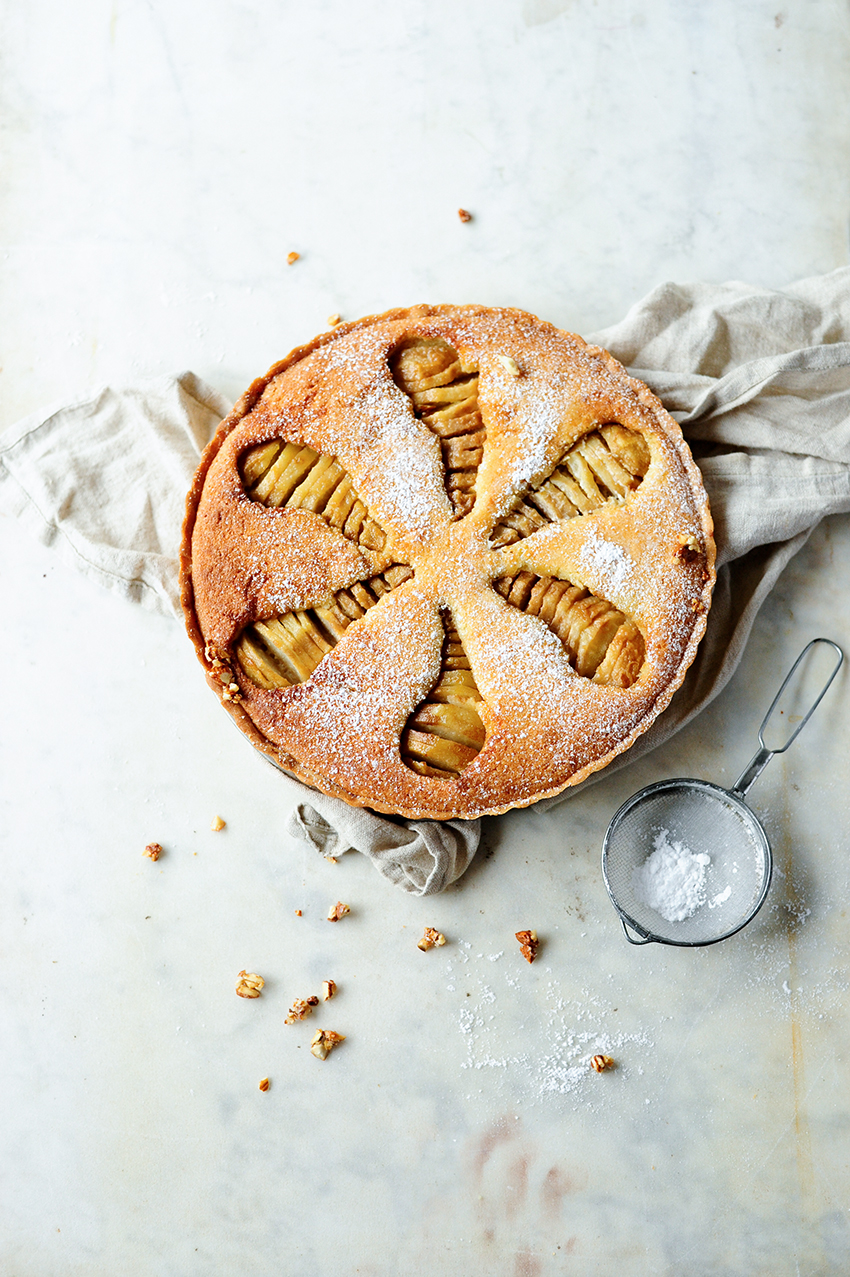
(702, 818)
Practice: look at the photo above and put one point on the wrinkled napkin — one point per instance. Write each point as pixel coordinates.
(758, 379)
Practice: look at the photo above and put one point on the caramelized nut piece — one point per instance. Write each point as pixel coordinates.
(510, 364)
(153, 850)
(300, 1009)
(528, 944)
(328, 990)
(250, 984)
(430, 939)
(324, 1041)
(264, 1084)
(687, 548)
(217, 824)
(464, 215)
(601, 1063)
(338, 911)
(291, 258)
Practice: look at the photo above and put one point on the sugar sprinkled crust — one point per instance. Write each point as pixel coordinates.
(468, 572)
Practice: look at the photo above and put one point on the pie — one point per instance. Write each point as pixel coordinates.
(446, 561)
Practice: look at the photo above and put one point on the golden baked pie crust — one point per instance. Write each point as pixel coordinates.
(647, 555)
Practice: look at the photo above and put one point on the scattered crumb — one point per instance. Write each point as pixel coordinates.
(301, 1008)
(250, 984)
(338, 911)
(291, 258)
(528, 944)
(464, 215)
(324, 1041)
(328, 990)
(430, 939)
(298, 913)
(217, 824)
(264, 1084)
(333, 320)
(602, 1063)
(153, 850)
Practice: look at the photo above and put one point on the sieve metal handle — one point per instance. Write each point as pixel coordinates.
(759, 761)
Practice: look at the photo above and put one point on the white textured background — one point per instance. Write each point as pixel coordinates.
(158, 163)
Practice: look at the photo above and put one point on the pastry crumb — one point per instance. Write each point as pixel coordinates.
(338, 911)
(464, 215)
(528, 944)
(217, 824)
(334, 320)
(602, 1063)
(264, 1084)
(328, 990)
(431, 939)
(153, 851)
(291, 258)
(324, 1041)
(298, 913)
(250, 984)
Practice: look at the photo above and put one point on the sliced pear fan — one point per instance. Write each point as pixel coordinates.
(286, 649)
(294, 476)
(606, 465)
(601, 643)
(445, 732)
(443, 389)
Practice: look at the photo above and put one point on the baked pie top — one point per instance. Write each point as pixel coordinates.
(446, 561)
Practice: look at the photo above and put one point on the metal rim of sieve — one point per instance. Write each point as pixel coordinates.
(685, 786)
(734, 796)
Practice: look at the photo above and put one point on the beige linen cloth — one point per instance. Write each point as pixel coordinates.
(759, 380)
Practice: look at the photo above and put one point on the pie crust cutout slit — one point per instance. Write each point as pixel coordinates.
(445, 732)
(295, 477)
(600, 641)
(286, 649)
(605, 465)
(443, 388)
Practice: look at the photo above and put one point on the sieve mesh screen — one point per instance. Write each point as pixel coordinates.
(703, 818)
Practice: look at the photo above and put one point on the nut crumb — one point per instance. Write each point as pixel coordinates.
(602, 1063)
(328, 990)
(510, 364)
(250, 984)
(301, 1008)
(687, 548)
(291, 258)
(334, 320)
(153, 850)
(298, 913)
(464, 215)
(430, 940)
(528, 944)
(217, 824)
(264, 1084)
(324, 1041)
(338, 911)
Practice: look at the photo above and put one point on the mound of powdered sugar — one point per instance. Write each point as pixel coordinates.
(672, 879)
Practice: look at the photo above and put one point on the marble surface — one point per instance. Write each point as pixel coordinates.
(160, 162)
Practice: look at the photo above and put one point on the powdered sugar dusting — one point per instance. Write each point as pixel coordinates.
(610, 564)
